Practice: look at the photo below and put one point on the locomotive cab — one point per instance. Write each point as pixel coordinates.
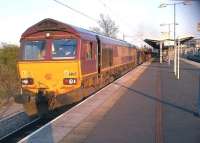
(42, 64)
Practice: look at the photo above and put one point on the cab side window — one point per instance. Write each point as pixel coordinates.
(89, 51)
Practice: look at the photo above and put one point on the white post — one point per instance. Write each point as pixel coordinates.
(168, 56)
(181, 49)
(169, 44)
(175, 54)
(175, 40)
(161, 52)
(178, 64)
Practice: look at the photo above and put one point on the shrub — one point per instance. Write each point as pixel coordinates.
(9, 81)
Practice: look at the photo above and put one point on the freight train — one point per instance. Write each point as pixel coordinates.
(61, 64)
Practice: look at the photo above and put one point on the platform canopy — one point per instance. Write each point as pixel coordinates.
(155, 43)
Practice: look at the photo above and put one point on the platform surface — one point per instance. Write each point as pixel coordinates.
(147, 105)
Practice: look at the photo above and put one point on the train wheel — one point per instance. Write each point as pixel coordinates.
(42, 104)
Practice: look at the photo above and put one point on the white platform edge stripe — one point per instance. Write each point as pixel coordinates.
(191, 62)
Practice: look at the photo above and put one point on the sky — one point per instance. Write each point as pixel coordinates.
(137, 19)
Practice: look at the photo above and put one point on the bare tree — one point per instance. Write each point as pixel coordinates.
(106, 27)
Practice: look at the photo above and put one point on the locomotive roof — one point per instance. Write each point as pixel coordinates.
(102, 37)
(54, 25)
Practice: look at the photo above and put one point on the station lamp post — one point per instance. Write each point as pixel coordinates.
(175, 47)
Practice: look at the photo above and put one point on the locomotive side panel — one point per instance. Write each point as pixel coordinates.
(89, 67)
(107, 55)
(88, 57)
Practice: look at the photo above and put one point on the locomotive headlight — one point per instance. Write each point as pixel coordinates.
(24, 81)
(27, 81)
(47, 35)
(69, 81)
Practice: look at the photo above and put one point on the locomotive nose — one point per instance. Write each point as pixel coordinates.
(48, 76)
(58, 77)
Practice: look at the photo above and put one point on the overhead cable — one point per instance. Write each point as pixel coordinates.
(75, 10)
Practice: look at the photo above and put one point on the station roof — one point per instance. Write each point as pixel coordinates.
(155, 43)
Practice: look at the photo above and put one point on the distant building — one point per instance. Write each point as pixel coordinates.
(194, 43)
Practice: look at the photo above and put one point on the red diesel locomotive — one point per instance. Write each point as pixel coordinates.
(61, 64)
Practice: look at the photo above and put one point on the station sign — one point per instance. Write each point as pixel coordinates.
(168, 43)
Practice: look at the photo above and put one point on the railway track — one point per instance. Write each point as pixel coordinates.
(23, 131)
(12, 123)
(15, 135)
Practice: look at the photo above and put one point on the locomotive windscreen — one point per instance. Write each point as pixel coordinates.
(60, 49)
(34, 50)
(64, 49)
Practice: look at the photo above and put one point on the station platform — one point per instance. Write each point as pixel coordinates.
(147, 105)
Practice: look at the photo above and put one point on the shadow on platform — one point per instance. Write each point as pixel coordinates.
(196, 114)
